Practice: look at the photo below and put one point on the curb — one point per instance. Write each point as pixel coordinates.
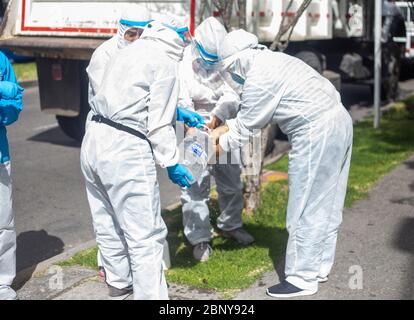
(29, 84)
(29, 272)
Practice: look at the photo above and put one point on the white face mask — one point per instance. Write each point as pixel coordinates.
(235, 85)
(233, 76)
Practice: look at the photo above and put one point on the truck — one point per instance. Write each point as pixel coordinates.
(334, 37)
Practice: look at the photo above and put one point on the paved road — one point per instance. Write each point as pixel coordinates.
(50, 203)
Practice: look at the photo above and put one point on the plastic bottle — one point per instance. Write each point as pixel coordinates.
(194, 151)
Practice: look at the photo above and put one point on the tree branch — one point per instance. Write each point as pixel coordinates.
(277, 43)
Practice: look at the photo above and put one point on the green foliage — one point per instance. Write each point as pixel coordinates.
(25, 71)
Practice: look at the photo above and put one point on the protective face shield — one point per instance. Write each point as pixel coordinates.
(234, 81)
(129, 31)
(234, 75)
(208, 36)
(170, 37)
(167, 21)
(234, 53)
(204, 59)
(131, 26)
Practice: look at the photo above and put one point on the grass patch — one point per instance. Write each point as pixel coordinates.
(25, 71)
(86, 258)
(232, 266)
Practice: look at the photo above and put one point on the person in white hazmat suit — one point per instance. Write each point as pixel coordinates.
(278, 88)
(130, 129)
(130, 27)
(222, 103)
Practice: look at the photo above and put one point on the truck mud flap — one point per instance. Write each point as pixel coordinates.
(61, 86)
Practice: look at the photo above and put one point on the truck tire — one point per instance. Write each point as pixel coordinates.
(74, 127)
(311, 58)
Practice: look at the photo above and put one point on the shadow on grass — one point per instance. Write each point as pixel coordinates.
(181, 249)
(237, 265)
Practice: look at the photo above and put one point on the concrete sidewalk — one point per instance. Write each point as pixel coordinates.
(375, 255)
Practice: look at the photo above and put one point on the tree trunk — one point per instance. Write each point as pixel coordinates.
(252, 159)
(283, 28)
(242, 14)
(225, 8)
(252, 164)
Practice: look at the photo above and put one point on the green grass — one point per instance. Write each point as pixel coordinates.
(86, 258)
(232, 266)
(25, 71)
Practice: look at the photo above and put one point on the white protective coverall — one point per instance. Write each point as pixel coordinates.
(140, 91)
(221, 101)
(282, 89)
(103, 54)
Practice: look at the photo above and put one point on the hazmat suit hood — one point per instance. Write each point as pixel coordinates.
(168, 34)
(131, 19)
(208, 36)
(236, 54)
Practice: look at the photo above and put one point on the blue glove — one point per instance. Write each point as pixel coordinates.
(190, 118)
(180, 175)
(10, 90)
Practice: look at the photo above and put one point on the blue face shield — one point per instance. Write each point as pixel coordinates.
(125, 25)
(137, 24)
(233, 76)
(203, 58)
(237, 78)
(183, 32)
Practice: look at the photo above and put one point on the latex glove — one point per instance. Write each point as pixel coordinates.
(190, 118)
(180, 175)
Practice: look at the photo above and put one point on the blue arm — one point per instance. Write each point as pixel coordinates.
(11, 94)
(7, 73)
